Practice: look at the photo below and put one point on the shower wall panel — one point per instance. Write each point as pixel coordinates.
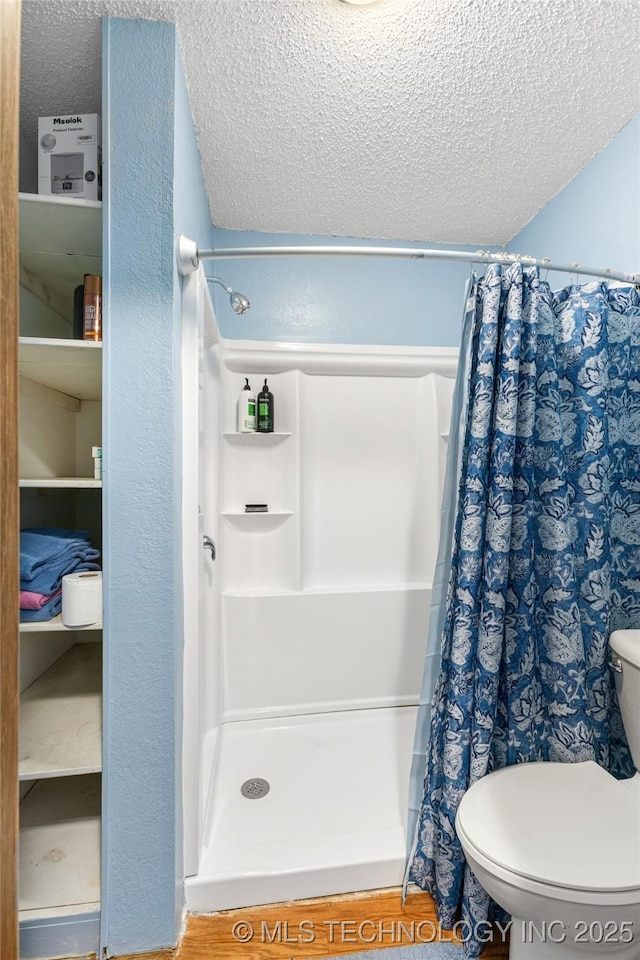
(326, 595)
(369, 491)
(315, 652)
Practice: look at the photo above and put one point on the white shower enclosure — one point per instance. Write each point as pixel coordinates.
(305, 636)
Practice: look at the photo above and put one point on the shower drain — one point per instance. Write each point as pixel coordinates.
(255, 789)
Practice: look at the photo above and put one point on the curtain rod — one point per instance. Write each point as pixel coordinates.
(189, 257)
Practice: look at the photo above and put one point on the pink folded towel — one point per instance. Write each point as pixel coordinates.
(35, 601)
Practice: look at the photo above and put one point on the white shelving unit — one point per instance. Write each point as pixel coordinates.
(60, 241)
(60, 392)
(64, 483)
(60, 751)
(61, 717)
(73, 367)
(59, 852)
(56, 626)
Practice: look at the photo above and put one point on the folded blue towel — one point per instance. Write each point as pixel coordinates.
(40, 546)
(47, 554)
(58, 533)
(50, 610)
(49, 578)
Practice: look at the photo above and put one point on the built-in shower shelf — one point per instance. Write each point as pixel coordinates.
(261, 522)
(256, 439)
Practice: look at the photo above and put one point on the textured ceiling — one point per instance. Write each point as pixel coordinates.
(432, 120)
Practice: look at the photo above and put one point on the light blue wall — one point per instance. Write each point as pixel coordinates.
(191, 207)
(153, 187)
(340, 300)
(595, 220)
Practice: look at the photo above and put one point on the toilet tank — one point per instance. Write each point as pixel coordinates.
(625, 645)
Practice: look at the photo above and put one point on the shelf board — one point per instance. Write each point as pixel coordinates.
(257, 522)
(73, 367)
(60, 225)
(67, 910)
(60, 240)
(61, 717)
(61, 482)
(256, 439)
(59, 851)
(55, 624)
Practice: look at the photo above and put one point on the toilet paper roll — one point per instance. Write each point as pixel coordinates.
(82, 598)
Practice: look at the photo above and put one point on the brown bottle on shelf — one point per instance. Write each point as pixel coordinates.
(92, 308)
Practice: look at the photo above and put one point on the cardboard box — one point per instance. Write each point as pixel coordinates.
(69, 156)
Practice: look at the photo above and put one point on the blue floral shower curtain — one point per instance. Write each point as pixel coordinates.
(545, 553)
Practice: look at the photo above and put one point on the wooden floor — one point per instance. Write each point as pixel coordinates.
(307, 929)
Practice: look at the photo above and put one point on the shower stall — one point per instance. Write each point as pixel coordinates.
(305, 625)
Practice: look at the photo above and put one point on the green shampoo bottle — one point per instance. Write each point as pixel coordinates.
(265, 410)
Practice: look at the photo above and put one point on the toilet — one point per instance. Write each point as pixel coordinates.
(558, 844)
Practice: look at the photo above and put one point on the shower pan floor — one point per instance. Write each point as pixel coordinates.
(332, 822)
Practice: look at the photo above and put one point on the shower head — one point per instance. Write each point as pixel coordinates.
(238, 301)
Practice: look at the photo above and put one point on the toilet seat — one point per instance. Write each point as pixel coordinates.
(567, 826)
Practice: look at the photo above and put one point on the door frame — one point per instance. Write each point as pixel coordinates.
(9, 495)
